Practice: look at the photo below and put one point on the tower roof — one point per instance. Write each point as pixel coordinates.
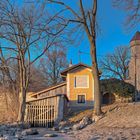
(136, 36)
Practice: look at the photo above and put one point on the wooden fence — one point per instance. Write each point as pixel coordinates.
(44, 112)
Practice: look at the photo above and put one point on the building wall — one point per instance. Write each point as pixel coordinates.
(55, 91)
(74, 92)
(134, 65)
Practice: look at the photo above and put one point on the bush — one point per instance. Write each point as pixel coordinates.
(118, 87)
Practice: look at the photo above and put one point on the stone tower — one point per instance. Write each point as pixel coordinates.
(134, 65)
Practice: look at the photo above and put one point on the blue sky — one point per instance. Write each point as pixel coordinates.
(113, 33)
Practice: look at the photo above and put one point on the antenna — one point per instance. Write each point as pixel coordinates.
(70, 64)
(79, 55)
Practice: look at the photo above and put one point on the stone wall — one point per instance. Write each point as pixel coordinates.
(122, 99)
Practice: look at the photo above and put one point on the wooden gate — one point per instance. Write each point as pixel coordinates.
(42, 112)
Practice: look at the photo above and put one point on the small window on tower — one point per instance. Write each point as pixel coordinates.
(81, 99)
(127, 74)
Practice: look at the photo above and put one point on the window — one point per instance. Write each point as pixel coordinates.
(81, 99)
(81, 81)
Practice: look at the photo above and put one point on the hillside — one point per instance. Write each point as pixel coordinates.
(121, 121)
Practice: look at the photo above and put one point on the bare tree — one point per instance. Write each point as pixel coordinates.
(24, 28)
(37, 79)
(86, 19)
(8, 84)
(53, 63)
(132, 9)
(116, 64)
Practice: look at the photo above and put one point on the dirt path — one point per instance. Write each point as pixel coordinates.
(92, 133)
(43, 131)
(108, 134)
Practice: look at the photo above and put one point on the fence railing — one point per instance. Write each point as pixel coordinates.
(42, 113)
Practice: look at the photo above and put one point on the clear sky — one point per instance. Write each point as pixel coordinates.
(113, 33)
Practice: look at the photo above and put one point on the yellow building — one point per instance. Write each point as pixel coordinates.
(79, 82)
(77, 85)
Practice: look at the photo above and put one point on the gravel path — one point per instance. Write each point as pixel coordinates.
(91, 134)
(43, 131)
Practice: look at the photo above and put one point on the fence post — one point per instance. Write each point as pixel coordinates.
(60, 109)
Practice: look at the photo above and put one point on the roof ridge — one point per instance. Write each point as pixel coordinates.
(74, 66)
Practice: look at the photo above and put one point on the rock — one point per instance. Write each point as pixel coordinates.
(67, 128)
(26, 126)
(3, 127)
(77, 127)
(7, 130)
(2, 138)
(63, 131)
(18, 136)
(60, 128)
(96, 137)
(70, 133)
(96, 118)
(50, 135)
(86, 121)
(12, 131)
(62, 124)
(55, 128)
(29, 132)
(7, 138)
(83, 123)
(19, 125)
(109, 138)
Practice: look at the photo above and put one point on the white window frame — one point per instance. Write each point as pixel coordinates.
(82, 76)
(77, 98)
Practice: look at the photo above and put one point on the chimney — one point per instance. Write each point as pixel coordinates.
(70, 64)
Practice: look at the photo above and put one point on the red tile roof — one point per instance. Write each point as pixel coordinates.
(136, 36)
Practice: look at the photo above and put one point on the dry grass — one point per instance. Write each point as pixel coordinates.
(116, 115)
(121, 121)
(76, 117)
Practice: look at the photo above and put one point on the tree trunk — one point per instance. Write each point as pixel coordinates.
(91, 33)
(22, 94)
(95, 71)
(22, 105)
